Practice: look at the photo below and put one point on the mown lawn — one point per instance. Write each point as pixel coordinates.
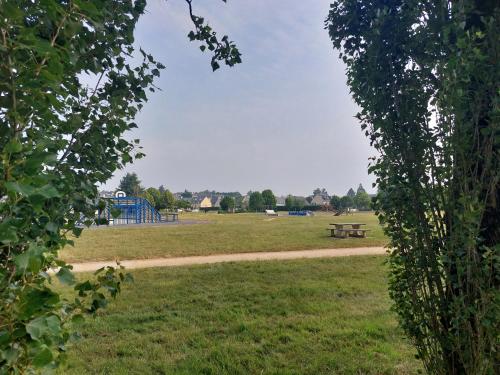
(326, 316)
(219, 234)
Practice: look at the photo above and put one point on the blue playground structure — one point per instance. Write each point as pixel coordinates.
(133, 210)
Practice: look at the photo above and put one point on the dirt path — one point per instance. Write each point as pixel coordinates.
(209, 259)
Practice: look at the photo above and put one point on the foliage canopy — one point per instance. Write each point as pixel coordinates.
(256, 202)
(269, 198)
(426, 76)
(67, 96)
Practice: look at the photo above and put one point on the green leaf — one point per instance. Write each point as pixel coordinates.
(22, 189)
(13, 146)
(31, 260)
(52, 227)
(43, 357)
(4, 337)
(10, 355)
(44, 326)
(36, 328)
(65, 276)
(8, 233)
(48, 191)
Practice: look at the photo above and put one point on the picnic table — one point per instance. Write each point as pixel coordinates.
(342, 230)
(173, 215)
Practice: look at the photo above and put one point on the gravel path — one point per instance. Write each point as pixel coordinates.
(238, 257)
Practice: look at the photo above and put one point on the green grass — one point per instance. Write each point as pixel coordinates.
(219, 234)
(327, 316)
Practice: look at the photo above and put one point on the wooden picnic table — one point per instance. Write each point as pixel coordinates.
(354, 231)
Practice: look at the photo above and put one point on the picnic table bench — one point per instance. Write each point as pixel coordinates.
(342, 230)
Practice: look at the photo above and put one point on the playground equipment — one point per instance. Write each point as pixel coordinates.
(132, 210)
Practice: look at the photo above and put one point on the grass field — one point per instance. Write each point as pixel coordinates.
(327, 316)
(219, 234)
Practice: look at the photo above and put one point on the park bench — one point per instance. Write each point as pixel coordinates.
(271, 213)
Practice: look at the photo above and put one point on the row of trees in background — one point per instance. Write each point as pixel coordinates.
(162, 198)
(359, 200)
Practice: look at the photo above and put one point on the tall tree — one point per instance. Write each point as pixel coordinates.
(167, 199)
(130, 184)
(362, 200)
(361, 189)
(59, 139)
(347, 201)
(351, 193)
(269, 199)
(426, 75)
(336, 202)
(256, 203)
(227, 203)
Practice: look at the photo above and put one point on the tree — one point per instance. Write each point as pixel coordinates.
(361, 189)
(156, 196)
(269, 199)
(351, 193)
(294, 203)
(131, 185)
(59, 139)
(161, 189)
(317, 191)
(167, 200)
(181, 203)
(227, 203)
(347, 202)
(336, 202)
(186, 194)
(362, 200)
(426, 77)
(256, 202)
(149, 197)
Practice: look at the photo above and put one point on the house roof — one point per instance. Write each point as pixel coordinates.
(319, 200)
(206, 202)
(215, 200)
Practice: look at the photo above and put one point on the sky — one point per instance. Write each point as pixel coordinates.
(283, 119)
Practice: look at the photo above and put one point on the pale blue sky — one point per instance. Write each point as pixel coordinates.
(283, 119)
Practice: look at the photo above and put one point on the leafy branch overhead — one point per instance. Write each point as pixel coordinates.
(69, 93)
(223, 50)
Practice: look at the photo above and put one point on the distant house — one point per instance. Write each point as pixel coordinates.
(319, 200)
(216, 201)
(280, 201)
(206, 202)
(106, 194)
(245, 201)
(209, 202)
